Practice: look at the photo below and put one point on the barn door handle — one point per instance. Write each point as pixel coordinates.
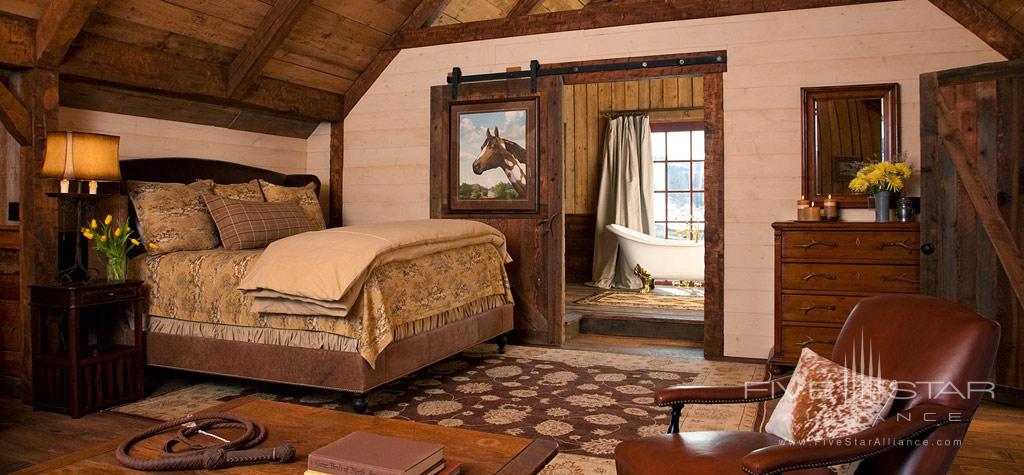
(815, 242)
(811, 308)
(546, 223)
(900, 278)
(904, 244)
(810, 340)
(812, 275)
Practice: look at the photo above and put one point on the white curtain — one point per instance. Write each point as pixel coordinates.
(625, 196)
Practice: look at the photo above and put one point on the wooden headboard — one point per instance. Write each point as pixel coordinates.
(187, 170)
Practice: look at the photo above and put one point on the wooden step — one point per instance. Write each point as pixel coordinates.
(673, 327)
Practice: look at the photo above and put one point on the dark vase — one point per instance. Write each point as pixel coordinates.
(882, 206)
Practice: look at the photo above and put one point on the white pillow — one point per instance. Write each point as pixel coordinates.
(826, 400)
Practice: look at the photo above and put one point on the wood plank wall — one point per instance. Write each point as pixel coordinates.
(10, 318)
(583, 118)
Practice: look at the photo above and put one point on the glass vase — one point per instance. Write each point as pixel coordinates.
(882, 206)
(116, 267)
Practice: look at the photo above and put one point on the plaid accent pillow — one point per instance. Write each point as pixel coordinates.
(250, 224)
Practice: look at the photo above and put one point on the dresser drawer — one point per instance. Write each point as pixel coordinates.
(95, 296)
(884, 245)
(818, 339)
(817, 308)
(870, 278)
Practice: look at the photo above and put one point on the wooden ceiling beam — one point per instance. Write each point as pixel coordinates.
(601, 16)
(17, 42)
(57, 28)
(15, 117)
(425, 12)
(272, 31)
(985, 24)
(101, 60)
(523, 8)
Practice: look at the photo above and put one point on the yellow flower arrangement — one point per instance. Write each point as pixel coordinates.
(881, 176)
(113, 242)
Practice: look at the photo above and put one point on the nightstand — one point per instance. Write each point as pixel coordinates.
(87, 345)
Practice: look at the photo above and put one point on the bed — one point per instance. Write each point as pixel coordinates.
(226, 337)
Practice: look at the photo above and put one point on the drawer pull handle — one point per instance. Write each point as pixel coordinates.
(111, 294)
(810, 340)
(900, 278)
(904, 244)
(810, 276)
(815, 242)
(811, 308)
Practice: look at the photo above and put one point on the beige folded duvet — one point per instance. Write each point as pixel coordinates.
(322, 272)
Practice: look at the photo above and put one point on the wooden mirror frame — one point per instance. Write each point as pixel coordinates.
(889, 93)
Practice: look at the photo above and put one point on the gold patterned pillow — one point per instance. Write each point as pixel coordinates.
(825, 400)
(237, 191)
(305, 195)
(173, 216)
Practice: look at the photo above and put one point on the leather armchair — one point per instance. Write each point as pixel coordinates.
(925, 343)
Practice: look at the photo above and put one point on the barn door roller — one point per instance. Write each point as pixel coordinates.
(536, 70)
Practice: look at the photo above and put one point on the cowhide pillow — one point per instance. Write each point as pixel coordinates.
(304, 195)
(825, 400)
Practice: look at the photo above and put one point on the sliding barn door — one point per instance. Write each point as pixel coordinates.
(536, 238)
(972, 164)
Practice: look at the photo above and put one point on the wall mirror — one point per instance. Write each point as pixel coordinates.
(844, 128)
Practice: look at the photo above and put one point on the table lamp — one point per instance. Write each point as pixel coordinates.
(83, 158)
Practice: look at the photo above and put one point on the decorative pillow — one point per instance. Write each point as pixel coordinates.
(304, 195)
(249, 225)
(239, 191)
(173, 216)
(825, 400)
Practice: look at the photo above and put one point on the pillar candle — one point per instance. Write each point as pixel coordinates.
(831, 209)
(801, 205)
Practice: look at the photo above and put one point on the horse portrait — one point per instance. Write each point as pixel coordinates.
(494, 156)
(505, 154)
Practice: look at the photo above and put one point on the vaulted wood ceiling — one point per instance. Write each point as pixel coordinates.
(283, 66)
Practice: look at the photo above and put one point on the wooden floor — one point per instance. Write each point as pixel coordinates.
(993, 444)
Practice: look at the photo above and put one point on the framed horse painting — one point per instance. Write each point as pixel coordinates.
(493, 156)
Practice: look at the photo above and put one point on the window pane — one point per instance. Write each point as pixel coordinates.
(659, 177)
(677, 230)
(659, 230)
(659, 206)
(658, 146)
(679, 176)
(678, 145)
(698, 175)
(698, 145)
(698, 206)
(678, 207)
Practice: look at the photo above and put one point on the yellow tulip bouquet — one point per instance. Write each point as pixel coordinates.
(881, 176)
(113, 242)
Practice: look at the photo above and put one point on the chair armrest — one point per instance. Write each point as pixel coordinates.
(875, 440)
(752, 392)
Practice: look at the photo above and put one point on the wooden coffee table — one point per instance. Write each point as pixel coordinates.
(309, 428)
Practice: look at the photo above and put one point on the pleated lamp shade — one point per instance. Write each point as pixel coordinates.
(81, 156)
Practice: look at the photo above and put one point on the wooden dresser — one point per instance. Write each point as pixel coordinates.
(822, 269)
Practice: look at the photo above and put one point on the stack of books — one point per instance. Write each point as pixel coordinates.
(365, 453)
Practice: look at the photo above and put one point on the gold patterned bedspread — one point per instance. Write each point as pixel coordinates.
(398, 300)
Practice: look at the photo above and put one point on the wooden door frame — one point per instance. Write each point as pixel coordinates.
(714, 174)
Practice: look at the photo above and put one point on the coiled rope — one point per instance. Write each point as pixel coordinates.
(213, 457)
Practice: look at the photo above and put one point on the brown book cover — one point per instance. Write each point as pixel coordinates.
(365, 453)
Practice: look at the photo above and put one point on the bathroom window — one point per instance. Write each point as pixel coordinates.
(678, 152)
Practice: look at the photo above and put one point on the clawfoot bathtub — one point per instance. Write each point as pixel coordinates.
(666, 259)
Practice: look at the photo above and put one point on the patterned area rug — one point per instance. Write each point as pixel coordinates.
(588, 402)
(620, 298)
